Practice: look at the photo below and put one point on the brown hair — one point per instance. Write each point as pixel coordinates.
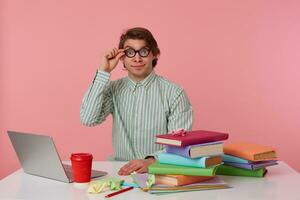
(141, 34)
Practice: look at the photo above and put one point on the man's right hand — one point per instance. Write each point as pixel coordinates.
(110, 59)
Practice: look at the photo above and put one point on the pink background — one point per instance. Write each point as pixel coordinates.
(238, 61)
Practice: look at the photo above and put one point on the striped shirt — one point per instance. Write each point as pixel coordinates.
(140, 111)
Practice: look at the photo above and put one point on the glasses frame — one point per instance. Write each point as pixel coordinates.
(137, 51)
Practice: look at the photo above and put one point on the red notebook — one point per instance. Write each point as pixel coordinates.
(190, 138)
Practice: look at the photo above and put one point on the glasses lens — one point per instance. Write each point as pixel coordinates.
(130, 53)
(144, 52)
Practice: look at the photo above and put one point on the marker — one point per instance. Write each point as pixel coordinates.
(118, 192)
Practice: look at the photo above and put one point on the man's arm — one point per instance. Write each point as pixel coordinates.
(97, 103)
(181, 113)
(138, 165)
(181, 116)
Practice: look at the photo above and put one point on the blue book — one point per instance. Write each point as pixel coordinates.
(174, 159)
(197, 150)
(234, 159)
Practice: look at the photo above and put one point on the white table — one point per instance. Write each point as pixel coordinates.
(281, 182)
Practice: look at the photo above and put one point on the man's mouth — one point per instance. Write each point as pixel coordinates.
(138, 66)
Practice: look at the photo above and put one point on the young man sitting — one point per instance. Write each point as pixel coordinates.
(142, 104)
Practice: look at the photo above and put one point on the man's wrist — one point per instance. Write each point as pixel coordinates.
(150, 159)
(104, 70)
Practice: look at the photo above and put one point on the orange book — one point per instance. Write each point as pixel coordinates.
(178, 180)
(250, 151)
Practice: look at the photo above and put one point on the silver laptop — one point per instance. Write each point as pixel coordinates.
(38, 156)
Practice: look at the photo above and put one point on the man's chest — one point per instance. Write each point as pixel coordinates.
(141, 104)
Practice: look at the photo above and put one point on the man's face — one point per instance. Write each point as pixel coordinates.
(138, 67)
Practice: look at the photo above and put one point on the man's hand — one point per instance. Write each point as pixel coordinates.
(110, 59)
(139, 166)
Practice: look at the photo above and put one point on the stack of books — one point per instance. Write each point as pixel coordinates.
(189, 163)
(247, 159)
(145, 183)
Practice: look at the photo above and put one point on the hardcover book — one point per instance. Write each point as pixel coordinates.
(211, 184)
(230, 158)
(197, 150)
(158, 168)
(179, 180)
(191, 137)
(235, 171)
(250, 151)
(202, 162)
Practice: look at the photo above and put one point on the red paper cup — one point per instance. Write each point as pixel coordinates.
(81, 167)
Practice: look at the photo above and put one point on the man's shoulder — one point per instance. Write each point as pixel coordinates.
(168, 85)
(119, 81)
(118, 84)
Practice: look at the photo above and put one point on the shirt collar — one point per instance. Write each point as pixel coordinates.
(144, 83)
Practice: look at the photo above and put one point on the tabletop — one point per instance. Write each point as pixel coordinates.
(281, 182)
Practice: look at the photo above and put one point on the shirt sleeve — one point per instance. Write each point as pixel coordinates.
(181, 116)
(181, 113)
(97, 102)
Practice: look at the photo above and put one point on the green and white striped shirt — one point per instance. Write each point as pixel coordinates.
(140, 111)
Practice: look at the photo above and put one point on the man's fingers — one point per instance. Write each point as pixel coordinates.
(114, 53)
(129, 168)
(106, 54)
(115, 50)
(125, 167)
(140, 166)
(142, 170)
(120, 55)
(109, 55)
(132, 169)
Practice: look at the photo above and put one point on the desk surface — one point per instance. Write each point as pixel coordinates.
(281, 182)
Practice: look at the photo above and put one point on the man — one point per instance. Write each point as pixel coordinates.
(142, 104)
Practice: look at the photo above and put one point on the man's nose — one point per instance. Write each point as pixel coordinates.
(137, 58)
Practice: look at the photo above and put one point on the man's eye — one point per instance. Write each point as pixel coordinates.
(130, 52)
(144, 51)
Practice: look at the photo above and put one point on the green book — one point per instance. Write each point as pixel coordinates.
(158, 168)
(235, 171)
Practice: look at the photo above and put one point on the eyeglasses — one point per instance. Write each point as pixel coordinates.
(143, 52)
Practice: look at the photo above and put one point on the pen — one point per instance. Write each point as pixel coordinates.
(118, 192)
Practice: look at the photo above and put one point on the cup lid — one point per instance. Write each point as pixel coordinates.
(81, 156)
